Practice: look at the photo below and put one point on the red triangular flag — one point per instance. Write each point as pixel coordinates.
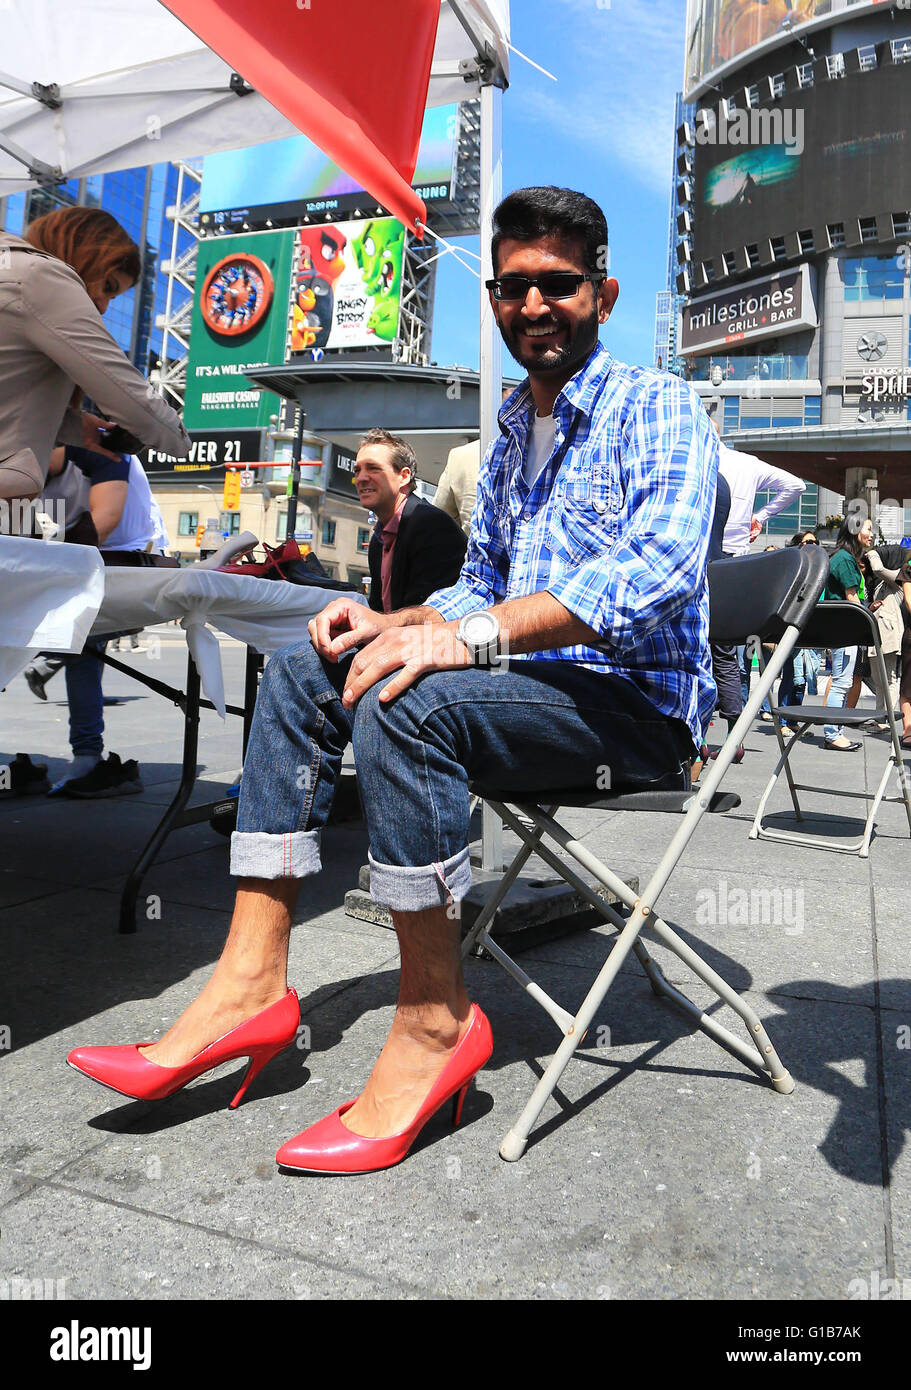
(352, 75)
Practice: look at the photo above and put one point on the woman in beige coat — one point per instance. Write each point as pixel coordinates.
(55, 284)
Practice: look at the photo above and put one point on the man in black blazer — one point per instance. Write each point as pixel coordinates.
(416, 548)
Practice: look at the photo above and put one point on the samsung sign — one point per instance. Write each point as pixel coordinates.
(782, 303)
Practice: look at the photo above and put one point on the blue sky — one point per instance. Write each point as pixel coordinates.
(605, 127)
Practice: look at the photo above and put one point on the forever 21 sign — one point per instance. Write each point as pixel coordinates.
(210, 451)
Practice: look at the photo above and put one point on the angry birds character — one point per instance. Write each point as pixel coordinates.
(321, 262)
(744, 23)
(378, 252)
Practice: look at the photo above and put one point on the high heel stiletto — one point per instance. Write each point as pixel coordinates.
(328, 1147)
(125, 1070)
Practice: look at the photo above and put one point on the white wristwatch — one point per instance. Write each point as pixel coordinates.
(480, 633)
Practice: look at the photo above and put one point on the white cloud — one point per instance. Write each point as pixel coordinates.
(637, 48)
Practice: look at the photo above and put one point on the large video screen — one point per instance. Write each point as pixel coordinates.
(833, 152)
(292, 178)
(719, 32)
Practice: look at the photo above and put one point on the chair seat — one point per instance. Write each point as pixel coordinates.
(674, 802)
(828, 714)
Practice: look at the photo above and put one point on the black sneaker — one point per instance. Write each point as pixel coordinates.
(23, 777)
(110, 777)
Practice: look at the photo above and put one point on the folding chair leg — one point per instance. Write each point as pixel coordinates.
(515, 1142)
(757, 829)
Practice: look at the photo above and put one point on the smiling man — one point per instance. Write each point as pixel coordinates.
(415, 548)
(586, 563)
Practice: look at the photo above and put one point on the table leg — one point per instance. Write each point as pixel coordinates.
(173, 813)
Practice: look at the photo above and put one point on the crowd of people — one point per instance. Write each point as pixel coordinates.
(568, 631)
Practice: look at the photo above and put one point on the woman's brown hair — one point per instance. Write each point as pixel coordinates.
(88, 239)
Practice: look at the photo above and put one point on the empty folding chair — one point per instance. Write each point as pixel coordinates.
(834, 624)
(769, 596)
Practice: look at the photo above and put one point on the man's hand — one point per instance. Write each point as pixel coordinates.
(755, 529)
(342, 625)
(92, 427)
(411, 651)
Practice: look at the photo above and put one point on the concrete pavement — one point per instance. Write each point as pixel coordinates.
(662, 1169)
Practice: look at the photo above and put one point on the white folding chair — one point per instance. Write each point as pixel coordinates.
(832, 625)
(768, 596)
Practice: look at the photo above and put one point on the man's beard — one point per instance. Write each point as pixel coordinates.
(558, 360)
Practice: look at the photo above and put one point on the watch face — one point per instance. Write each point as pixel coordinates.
(236, 295)
(480, 628)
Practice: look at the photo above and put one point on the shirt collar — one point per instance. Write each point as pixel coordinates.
(579, 393)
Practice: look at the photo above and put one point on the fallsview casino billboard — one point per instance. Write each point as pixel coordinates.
(722, 33)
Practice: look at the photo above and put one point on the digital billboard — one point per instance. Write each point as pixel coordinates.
(821, 156)
(721, 32)
(292, 179)
(240, 321)
(347, 288)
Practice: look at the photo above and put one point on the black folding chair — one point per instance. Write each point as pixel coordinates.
(833, 625)
(766, 596)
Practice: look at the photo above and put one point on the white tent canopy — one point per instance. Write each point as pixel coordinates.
(91, 86)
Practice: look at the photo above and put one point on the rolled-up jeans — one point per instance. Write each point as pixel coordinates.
(523, 728)
(843, 661)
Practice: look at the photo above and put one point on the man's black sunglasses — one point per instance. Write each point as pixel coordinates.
(553, 284)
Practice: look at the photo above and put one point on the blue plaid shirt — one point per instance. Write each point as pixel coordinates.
(616, 527)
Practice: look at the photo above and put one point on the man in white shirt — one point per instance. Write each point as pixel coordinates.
(746, 475)
(141, 526)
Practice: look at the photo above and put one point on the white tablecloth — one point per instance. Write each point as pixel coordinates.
(54, 596)
(49, 597)
(263, 613)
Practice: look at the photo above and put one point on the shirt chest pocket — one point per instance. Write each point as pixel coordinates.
(583, 521)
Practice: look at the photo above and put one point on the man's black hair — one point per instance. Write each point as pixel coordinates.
(532, 213)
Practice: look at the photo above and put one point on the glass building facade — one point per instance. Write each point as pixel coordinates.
(138, 199)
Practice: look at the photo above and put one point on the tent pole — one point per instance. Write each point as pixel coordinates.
(491, 360)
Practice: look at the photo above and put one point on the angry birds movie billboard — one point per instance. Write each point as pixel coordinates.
(346, 290)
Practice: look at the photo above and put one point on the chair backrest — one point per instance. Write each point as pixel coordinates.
(837, 623)
(761, 595)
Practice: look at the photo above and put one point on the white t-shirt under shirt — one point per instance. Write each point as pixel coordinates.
(540, 446)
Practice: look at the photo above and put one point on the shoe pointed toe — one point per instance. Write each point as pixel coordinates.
(328, 1147)
(123, 1068)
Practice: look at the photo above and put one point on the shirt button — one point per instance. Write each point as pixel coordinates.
(600, 506)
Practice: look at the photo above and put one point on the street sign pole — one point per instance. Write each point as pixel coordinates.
(295, 478)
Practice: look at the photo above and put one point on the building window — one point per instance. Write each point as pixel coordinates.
(363, 538)
(731, 413)
(874, 277)
(231, 523)
(753, 255)
(328, 533)
(836, 233)
(778, 248)
(812, 410)
(187, 523)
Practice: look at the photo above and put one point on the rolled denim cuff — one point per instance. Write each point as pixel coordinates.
(255, 854)
(416, 890)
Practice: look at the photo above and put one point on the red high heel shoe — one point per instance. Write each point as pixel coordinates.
(124, 1069)
(328, 1147)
